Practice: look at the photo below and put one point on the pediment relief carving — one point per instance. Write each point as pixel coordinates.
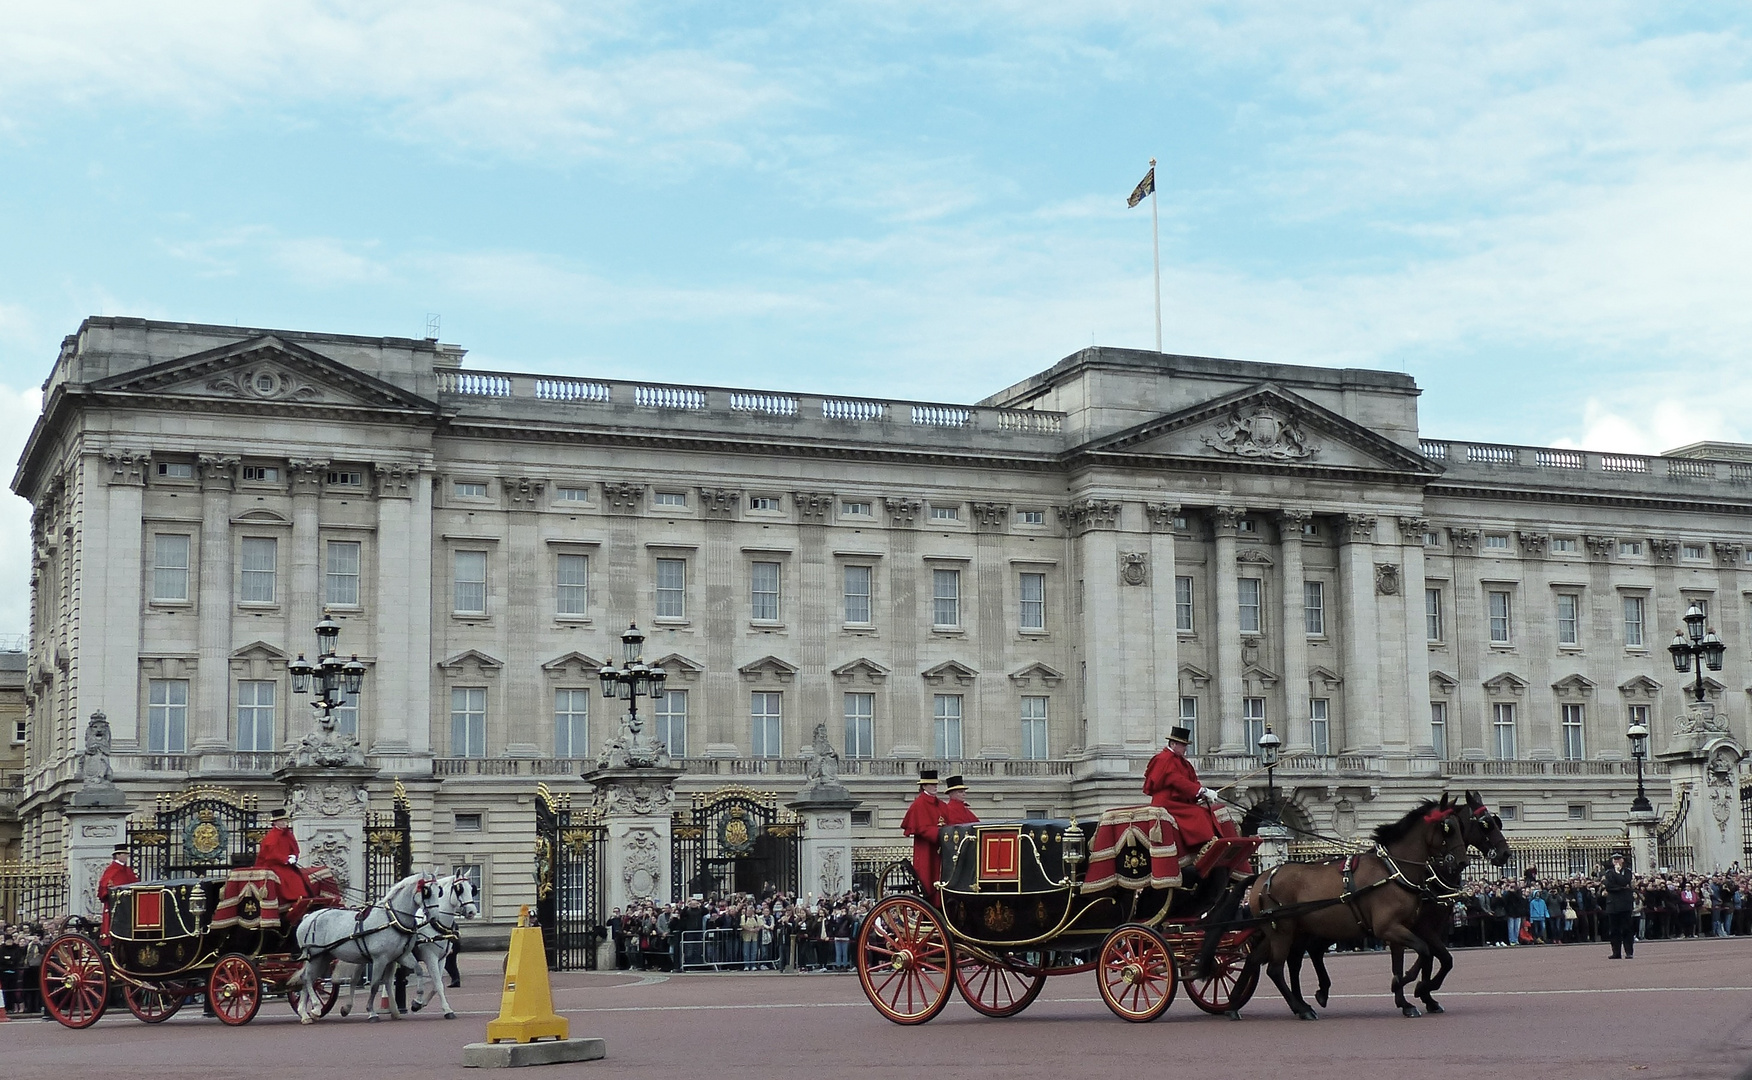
(1575, 685)
(1324, 679)
(259, 650)
(266, 369)
(1193, 678)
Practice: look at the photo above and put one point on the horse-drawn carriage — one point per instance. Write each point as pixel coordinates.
(164, 942)
(1020, 901)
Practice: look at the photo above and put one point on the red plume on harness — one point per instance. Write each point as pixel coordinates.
(1480, 811)
(1441, 814)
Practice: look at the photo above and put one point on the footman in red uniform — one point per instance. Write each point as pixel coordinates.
(923, 820)
(117, 873)
(1172, 783)
(278, 852)
(955, 808)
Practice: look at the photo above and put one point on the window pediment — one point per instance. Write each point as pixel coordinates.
(950, 670)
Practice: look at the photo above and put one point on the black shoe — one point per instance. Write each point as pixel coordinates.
(1615, 956)
(455, 985)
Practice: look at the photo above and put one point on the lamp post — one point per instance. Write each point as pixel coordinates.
(1268, 756)
(333, 678)
(1694, 646)
(634, 679)
(1639, 749)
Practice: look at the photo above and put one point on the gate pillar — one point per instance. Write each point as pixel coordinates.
(824, 807)
(96, 820)
(636, 803)
(327, 804)
(1703, 755)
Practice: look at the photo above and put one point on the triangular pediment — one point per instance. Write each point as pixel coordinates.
(265, 370)
(1324, 677)
(575, 662)
(1506, 683)
(1264, 425)
(769, 668)
(950, 671)
(675, 664)
(1048, 676)
(259, 650)
(1255, 676)
(473, 657)
(1639, 686)
(1193, 678)
(1443, 683)
(1576, 685)
(861, 668)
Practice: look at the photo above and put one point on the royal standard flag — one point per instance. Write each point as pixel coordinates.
(1146, 186)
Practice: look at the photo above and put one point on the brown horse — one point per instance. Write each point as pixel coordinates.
(1379, 893)
(1483, 830)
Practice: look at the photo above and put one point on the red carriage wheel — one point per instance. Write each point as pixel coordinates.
(1136, 974)
(996, 989)
(326, 994)
(234, 989)
(904, 959)
(1232, 982)
(151, 1004)
(75, 981)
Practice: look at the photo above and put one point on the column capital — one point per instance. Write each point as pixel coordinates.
(128, 467)
(1412, 529)
(1085, 515)
(1292, 518)
(525, 491)
(1359, 528)
(218, 472)
(307, 474)
(1227, 518)
(1162, 515)
(395, 480)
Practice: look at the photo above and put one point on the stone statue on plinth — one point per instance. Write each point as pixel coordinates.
(97, 786)
(631, 750)
(821, 782)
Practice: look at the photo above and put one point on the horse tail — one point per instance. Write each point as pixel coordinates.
(1228, 902)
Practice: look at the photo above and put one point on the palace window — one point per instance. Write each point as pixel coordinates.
(1499, 618)
(764, 592)
(1183, 604)
(672, 588)
(1033, 611)
(856, 591)
(672, 722)
(946, 726)
(341, 573)
(1569, 628)
(1502, 721)
(1034, 727)
(860, 725)
(468, 721)
(1250, 590)
(471, 582)
(571, 584)
(1439, 729)
(255, 715)
(167, 716)
(1314, 608)
(1572, 733)
(257, 565)
(765, 711)
(571, 723)
(170, 567)
(946, 598)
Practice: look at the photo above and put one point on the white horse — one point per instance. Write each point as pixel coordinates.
(443, 900)
(376, 937)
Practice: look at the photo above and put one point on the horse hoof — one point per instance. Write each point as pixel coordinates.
(1233, 1014)
(1409, 1010)
(346, 1010)
(416, 1006)
(1431, 1007)
(1309, 1015)
(307, 1019)
(450, 1016)
(373, 1019)
(1320, 998)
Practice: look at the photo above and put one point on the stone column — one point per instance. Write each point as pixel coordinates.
(305, 597)
(327, 805)
(1411, 683)
(1094, 521)
(1164, 637)
(636, 806)
(530, 727)
(399, 686)
(1362, 656)
(1231, 731)
(114, 650)
(1703, 756)
(1296, 733)
(212, 690)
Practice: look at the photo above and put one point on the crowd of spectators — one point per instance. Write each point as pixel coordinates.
(1536, 910)
(768, 931)
(21, 961)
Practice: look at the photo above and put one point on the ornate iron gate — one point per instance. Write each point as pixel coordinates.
(1670, 853)
(571, 887)
(1746, 824)
(198, 831)
(734, 840)
(389, 845)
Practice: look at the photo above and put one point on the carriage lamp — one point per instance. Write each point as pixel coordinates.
(1074, 849)
(1697, 647)
(1639, 749)
(1268, 756)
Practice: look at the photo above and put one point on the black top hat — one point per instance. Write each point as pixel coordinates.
(280, 815)
(119, 849)
(927, 776)
(1180, 735)
(955, 783)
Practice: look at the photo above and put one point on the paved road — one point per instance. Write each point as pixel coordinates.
(1680, 1009)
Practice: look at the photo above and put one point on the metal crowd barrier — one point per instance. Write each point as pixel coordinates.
(721, 950)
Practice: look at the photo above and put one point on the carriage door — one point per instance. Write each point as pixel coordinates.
(734, 840)
(571, 891)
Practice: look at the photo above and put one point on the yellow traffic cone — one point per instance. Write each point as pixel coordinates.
(526, 1008)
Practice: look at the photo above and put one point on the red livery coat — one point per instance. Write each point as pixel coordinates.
(275, 853)
(957, 812)
(1172, 783)
(923, 820)
(113, 875)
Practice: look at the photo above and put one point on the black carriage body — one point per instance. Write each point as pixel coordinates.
(163, 929)
(1009, 886)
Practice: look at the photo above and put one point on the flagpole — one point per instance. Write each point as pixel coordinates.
(1156, 257)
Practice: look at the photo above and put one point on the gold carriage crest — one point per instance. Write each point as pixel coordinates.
(735, 832)
(147, 956)
(204, 838)
(999, 918)
(1134, 862)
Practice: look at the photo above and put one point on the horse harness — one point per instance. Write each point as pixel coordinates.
(1351, 891)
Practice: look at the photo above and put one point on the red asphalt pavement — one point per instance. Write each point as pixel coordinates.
(1680, 1009)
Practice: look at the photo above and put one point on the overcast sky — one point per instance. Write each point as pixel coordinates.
(1540, 211)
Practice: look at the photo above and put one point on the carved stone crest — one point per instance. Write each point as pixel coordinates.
(330, 849)
(94, 766)
(641, 870)
(1134, 567)
(1263, 433)
(1387, 579)
(643, 799)
(833, 876)
(265, 383)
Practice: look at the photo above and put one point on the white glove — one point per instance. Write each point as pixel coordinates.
(291, 860)
(1207, 795)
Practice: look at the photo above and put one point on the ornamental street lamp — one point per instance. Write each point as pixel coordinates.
(1696, 647)
(1268, 756)
(1639, 749)
(634, 679)
(332, 678)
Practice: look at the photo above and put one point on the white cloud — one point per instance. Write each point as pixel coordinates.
(18, 415)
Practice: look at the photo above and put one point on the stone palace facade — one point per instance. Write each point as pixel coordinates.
(1031, 590)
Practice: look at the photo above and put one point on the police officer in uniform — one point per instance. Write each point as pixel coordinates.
(1620, 899)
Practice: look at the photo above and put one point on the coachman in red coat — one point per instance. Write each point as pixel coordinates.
(1172, 783)
(278, 852)
(955, 808)
(117, 873)
(923, 820)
